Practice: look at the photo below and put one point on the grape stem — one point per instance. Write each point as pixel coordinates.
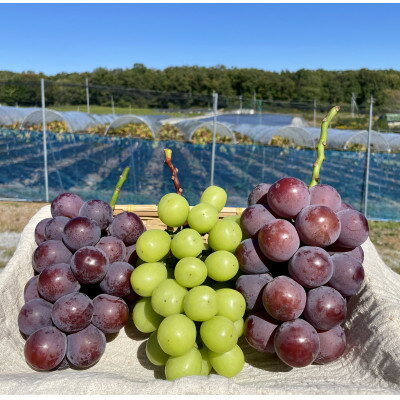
(323, 138)
(118, 187)
(175, 179)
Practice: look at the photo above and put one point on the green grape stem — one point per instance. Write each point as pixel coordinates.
(323, 138)
(175, 179)
(118, 187)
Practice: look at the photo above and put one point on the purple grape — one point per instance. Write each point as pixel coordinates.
(39, 231)
(98, 211)
(311, 266)
(49, 253)
(86, 347)
(288, 196)
(72, 312)
(131, 255)
(332, 345)
(278, 240)
(56, 281)
(54, 229)
(117, 279)
(127, 226)
(67, 205)
(89, 265)
(31, 290)
(357, 253)
(348, 274)
(325, 308)
(254, 218)
(251, 287)
(283, 298)
(325, 195)
(354, 229)
(251, 259)
(114, 248)
(296, 343)
(45, 349)
(80, 232)
(34, 315)
(259, 194)
(345, 206)
(110, 313)
(317, 226)
(259, 331)
(64, 363)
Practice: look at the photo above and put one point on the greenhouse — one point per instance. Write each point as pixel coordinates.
(14, 115)
(151, 121)
(189, 127)
(393, 140)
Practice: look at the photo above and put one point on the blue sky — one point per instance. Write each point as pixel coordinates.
(52, 38)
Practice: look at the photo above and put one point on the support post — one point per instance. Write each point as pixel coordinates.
(240, 104)
(87, 96)
(112, 105)
(46, 177)
(315, 113)
(215, 109)
(368, 157)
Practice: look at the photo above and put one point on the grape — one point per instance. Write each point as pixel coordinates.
(64, 363)
(357, 252)
(173, 209)
(153, 245)
(296, 343)
(190, 272)
(110, 313)
(114, 248)
(144, 317)
(250, 257)
(311, 266)
(239, 326)
(229, 363)
(214, 196)
(325, 195)
(348, 274)
(176, 334)
(98, 211)
(254, 218)
(225, 235)
(354, 229)
(67, 205)
(325, 308)
(283, 298)
(202, 217)
(86, 347)
(56, 281)
(81, 232)
(345, 206)
(234, 218)
(131, 255)
(54, 228)
(45, 349)
(117, 279)
(318, 226)
(30, 289)
(146, 277)
(49, 253)
(72, 312)
(219, 334)
(231, 304)
(205, 363)
(259, 194)
(34, 315)
(89, 265)
(251, 287)
(259, 331)
(200, 303)
(187, 364)
(127, 226)
(332, 345)
(278, 240)
(287, 197)
(187, 243)
(167, 298)
(221, 265)
(154, 352)
(39, 231)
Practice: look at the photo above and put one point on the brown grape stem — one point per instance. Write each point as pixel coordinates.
(118, 187)
(323, 138)
(175, 179)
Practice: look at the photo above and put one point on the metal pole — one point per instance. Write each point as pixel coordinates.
(215, 109)
(352, 105)
(46, 178)
(112, 104)
(315, 113)
(368, 158)
(240, 104)
(254, 101)
(87, 96)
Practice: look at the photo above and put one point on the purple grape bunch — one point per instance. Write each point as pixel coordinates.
(300, 264)
(80, 291)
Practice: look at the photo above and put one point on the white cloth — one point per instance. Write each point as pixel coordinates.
(371, 365)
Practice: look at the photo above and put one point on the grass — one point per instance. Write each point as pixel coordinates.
(15, 215)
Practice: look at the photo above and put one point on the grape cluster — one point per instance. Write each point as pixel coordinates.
(300, 264)
(188, 302)
(81, 289)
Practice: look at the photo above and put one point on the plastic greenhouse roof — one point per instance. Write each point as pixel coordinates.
(13, 115)
(189, 127)
(152, 122)
(393, 139)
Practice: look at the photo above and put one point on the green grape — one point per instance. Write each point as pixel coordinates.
(200, 303)
(239, 326)
(224, 284)
(153, 245)
(225, 235)
(173, 209)
(187, 243)
(227, 364)
(222, 265)
(176, 334)
(202, 217)
(215, 196)
(218, 334)
(234, 218)
(231, 304)
(146, 277)
(190, 272)
(154, 352)
(205, 363)
(167, 298)
(144, 317)
(187, 364)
